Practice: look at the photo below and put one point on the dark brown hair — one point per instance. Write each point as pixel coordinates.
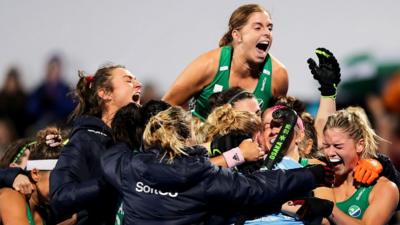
(229, 96)
(15, 149)
(238, 19)
(85, 93)
(41, 150)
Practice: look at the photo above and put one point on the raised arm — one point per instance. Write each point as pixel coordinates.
(280, 78)
(327, 73)
(327, 106)
(194, 78)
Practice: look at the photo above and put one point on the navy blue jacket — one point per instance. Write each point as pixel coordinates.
(76, 183)
(8, 175)
(191, 189)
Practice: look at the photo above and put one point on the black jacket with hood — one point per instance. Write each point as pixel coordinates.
(191, 190)
(76, 183)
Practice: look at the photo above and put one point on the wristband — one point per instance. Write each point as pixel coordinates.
(330, 96)
(233, 157)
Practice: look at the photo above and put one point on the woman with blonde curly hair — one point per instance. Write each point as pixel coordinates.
(169, 181)
(228, 132)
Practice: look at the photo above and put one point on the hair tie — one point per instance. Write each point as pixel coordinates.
(89, 79)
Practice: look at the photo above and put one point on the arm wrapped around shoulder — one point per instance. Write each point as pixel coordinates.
(324, 175)
(367, 171)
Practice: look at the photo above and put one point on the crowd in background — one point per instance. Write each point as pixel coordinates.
(22, 113)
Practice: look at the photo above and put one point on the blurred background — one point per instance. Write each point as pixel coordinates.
(44, 43)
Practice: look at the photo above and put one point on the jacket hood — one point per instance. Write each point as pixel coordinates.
(92, 124)
(182, 173)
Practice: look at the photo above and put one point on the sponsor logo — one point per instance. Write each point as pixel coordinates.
(354, 211)
(217, 88)
(140, 187)
(97, 132)
(263, 83)
(223, 68)
(236, 157)
(260, 102)
(215, 152)
(360, 194)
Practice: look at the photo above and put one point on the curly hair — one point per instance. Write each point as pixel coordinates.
(168, 131)
(225, 119)
(42, 150)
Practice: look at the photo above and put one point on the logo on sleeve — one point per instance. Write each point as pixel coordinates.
(236, 157)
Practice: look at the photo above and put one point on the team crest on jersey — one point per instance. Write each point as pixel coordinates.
(354, 211)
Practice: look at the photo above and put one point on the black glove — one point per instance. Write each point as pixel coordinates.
(221, 144)
(286, 118)
(313, 209)
(324, 175)
(327, 73)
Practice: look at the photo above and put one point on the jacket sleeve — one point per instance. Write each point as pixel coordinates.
(261, 188)
(8, 175)
(72, 185)
(112, 163)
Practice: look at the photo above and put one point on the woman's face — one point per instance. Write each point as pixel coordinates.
(126, 88)
(341, 150)
(248, 104)
(43, 184)
(271, 130)
(255, 37)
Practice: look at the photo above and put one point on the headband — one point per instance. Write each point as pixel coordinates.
(237, 95)
(45, 164)
(22, 151)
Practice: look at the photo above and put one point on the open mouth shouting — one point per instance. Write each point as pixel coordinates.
(262, 48)
(136, 97)
(335, 161)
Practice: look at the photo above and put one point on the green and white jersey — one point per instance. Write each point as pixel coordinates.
(220, 83)
(356, 205)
